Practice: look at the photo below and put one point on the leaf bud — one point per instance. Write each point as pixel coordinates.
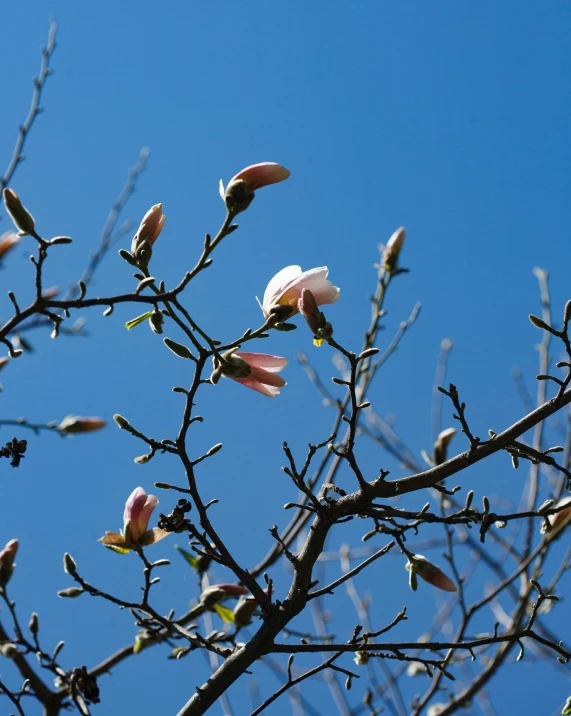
(70, 593)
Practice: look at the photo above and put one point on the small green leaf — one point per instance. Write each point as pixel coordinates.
(191, 559)
(227, 615)
(135, 321)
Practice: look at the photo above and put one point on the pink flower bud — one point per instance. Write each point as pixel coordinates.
(239, 193)
(318, 325)
(148, 232)
(7, 556)
(254, 370)
(308, 308)
(21, 217)
(219, 592)
(7, 242)
(286, 288)
(76, 424)
(419, 565)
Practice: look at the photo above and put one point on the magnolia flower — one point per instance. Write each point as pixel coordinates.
(286, 288)
(254, 370)
(7, 565)
(138, 510)
(239, 193)
(148, 232)
(7, 242)
(419, 565)
(4, 362)
(21, 217)
(77, 424)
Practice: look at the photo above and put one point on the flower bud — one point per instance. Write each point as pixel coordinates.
(7, 556)
(75, 424)
(239, 193)
(156, 320)
(122, 422)
(310, 311)
(217, 592)
(419, 565)
(393, 249)
(34, 625)
(441, 445)
(7, 242)
(21, 217)
(70, 593)
(244, 611)
(148, 232)
(8, 650)
(362, 658)
(69, 565)
(232, 366)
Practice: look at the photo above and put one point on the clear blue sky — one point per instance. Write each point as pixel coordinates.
(449, 118)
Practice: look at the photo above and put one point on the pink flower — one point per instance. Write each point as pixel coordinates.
(148, 232)
(254, 370)
(240, 190)
(7, 242)
(138, 510)
(77, 424)
(419, 565)
(286, 287)
(7, 565)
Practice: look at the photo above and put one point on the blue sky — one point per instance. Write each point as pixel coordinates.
(449, 118)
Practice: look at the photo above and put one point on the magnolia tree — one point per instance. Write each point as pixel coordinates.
(480, 628)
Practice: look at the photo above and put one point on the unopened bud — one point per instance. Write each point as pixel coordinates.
(310, 311)
(214, 449)
(441, 445)
(156, 320)
(8, 650)
(34, 625)
(362, 658)
(393, 249)
(69, 565)
(21, 217)
(122, 422)
(148, 232)
(567, 312)
(70, 593)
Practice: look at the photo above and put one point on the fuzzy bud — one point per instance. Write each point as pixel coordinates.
(70, 593)
(69, 565)
(21, 217)
(393, 249)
